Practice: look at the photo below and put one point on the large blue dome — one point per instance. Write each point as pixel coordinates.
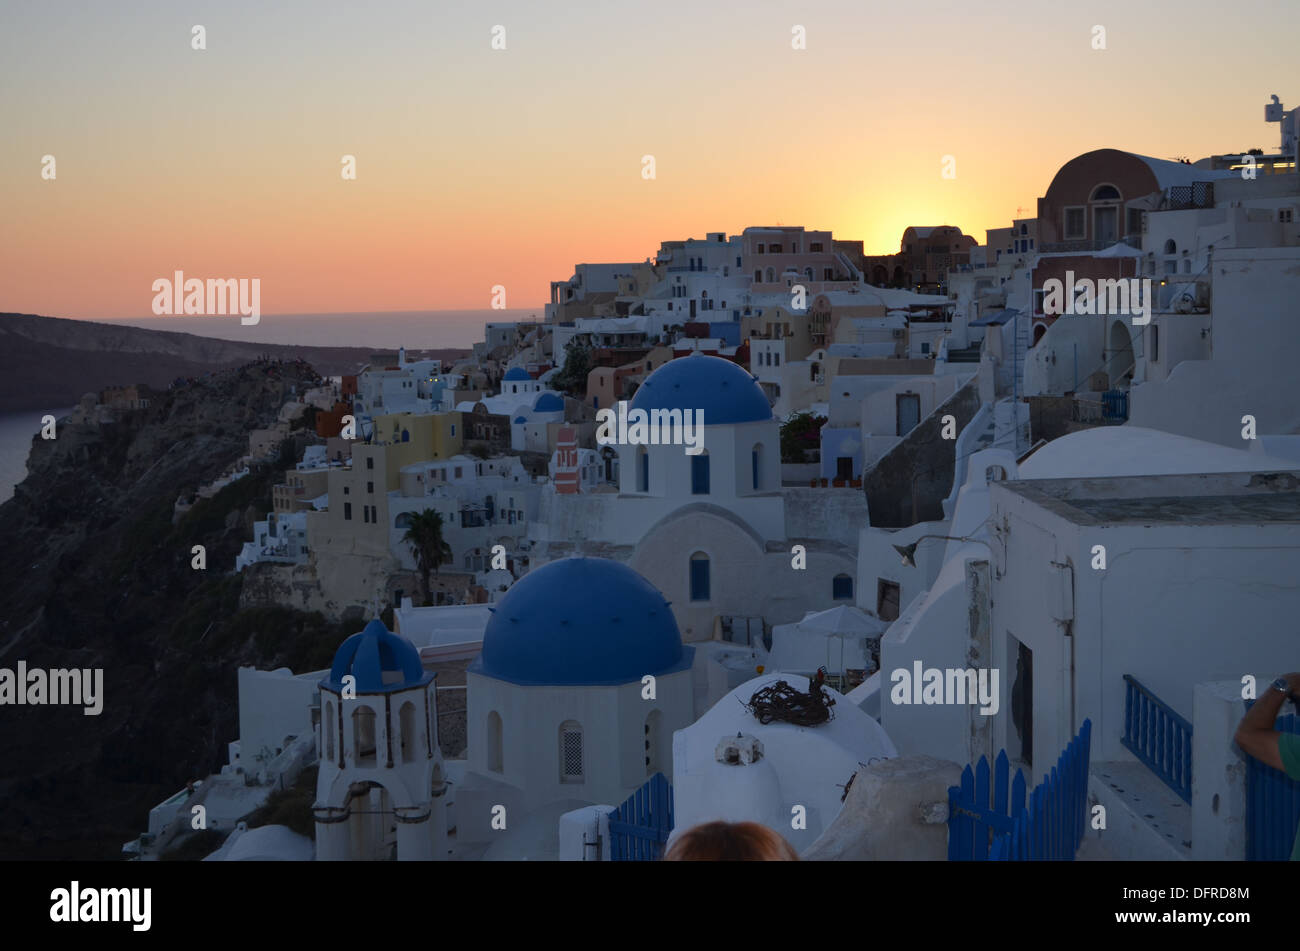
(581, 621)
(380, 660)
(725, 391)
(549, 403)
(516, 373)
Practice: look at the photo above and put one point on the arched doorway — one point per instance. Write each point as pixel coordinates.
(1119, 353)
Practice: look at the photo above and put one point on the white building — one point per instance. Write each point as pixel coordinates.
(281, 538)
(380, 789)
(716, 532)
(560, 711)
(729, 766)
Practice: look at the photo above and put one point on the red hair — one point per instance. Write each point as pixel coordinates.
(730, 842)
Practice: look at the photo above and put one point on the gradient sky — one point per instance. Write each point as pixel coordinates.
(479, 167)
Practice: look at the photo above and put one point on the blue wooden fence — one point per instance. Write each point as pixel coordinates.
(1272, 806)
(1158, 736)
(1114, 405)
(639, 828)
(991, 821)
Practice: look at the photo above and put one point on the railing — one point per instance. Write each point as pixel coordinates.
(1272, 806)
(1114, 406)
(639, 828)
(991, 821)
(1158, 736)
(1085, 245)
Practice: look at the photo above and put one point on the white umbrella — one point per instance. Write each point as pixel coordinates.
(843, 621)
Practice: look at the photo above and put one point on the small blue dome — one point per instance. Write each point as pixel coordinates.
(517, 373)
(724, 391)
(380, 660)
(549, 403)
(581, 621)
(521, 419)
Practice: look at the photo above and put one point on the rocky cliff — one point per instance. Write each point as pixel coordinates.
(94, 574)
(48, 362)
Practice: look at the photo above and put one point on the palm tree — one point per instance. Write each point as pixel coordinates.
(424, 535)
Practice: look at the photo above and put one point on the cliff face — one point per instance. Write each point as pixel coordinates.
(94, 575)
(47, 362)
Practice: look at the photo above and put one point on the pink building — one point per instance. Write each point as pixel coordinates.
(768, 253)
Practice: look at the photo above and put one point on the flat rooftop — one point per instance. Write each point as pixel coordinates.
(1223, 498)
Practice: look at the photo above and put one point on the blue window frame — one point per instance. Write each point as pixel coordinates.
(699, 576)
(700, 474)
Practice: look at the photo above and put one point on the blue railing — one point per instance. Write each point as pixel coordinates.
(1158, 736)
(639, 828)
(991, 821)
(1114, 405)
(1272, 806)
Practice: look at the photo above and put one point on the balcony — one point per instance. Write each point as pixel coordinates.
(1085, 246)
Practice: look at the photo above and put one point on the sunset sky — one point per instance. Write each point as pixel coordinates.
(478, 167)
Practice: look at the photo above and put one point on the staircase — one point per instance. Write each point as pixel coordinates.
(1019, 348)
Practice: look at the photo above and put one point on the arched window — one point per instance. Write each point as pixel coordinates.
(406, 724)
(406, 435)
(403, 520)
(756, 465)
(842, 588)
(1171, 247)
(327, 727)
(495, 753)
(699, 576)
(771, 275)
(808, 273)
(758, 276)
(642, 469)
(1105, 193)
(653, 746)
(571, 752)
(363, 736)
(700, 474)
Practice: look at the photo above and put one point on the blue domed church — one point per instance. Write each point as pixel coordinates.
(714, 530)
(582, 679)
(379, 754)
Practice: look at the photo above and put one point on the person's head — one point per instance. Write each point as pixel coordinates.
(730, 842)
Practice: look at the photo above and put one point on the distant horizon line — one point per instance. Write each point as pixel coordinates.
(297, 313)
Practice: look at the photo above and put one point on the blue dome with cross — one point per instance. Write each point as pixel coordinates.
(724, 391)
(581, 621)
(380, 660)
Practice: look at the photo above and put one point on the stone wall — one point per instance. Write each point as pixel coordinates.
(922, 464)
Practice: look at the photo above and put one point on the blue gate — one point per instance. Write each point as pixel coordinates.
(1000, 829)
(1272, 806)
(639, 828)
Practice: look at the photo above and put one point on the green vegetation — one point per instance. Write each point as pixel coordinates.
(424, 535)
(572, 378)
(290, 807)
(800, 434)
(194, 847)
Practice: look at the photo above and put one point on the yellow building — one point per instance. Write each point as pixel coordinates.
(409, 438)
